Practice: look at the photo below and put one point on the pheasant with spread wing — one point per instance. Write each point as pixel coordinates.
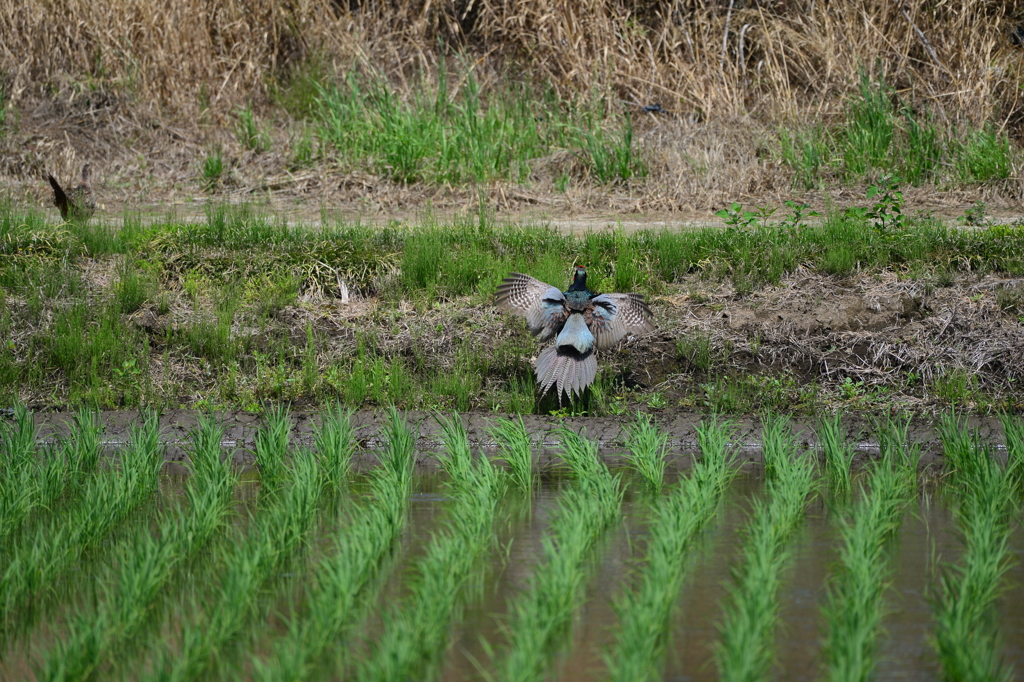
(580, 321)
(77, 203)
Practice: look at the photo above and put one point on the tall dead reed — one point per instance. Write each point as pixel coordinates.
(695, 58)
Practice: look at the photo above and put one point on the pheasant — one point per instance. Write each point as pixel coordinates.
(77, 203)
(580, 321)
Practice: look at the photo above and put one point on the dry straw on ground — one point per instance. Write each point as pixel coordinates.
(124, 79)
(705, 59)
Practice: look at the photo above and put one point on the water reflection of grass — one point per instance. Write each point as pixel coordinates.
(747, 631)
(676, 519)
(141, 571)
(540, 615)
(416, 631)
(966, 634)
(108, 499)
(855, 603)
(147, 562)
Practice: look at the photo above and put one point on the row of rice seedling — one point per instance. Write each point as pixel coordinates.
(745, 650)
(676, 519)
(30, 482)
(855, 603)
(416, 630)
(358, 548)
(514, 445)
(966, 632)
(108, 499)
(277, 531)
(147, 563)
(539, 616)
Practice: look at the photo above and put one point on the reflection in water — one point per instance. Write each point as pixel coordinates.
(904, 649)
(928, 533)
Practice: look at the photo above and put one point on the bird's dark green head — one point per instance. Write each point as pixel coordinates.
(579, 279)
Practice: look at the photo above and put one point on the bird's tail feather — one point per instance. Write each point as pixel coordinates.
(565, 368)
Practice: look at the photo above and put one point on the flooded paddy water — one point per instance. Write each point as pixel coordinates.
(472, 637)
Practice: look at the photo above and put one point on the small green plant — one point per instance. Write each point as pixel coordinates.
(799, 213)
(850, 389)
(955, 385)
(697, 350)
(213, 168)
(133, 288)
(735, 217)
(975, 216)
(304, 151)
(657, 400)
(887, 213)
(250, 134)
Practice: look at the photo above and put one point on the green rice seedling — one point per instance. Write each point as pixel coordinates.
(107, 500)
(147, 562)
(1013, 429)
(747, 633)
(966, 632)
(17, 441)
(40, 481)
(838, 454)
(516, 449)
(17, 473)
(646, 444)
(894, 442)
(272, 445)
(777, 442)
(341, 577)
(676, 520)
(335, 444)
(275, 534)
(398, 457)
(416, 631)
(540, 615)
(855, 602)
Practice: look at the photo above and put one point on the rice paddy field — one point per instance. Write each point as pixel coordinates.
(524, 558)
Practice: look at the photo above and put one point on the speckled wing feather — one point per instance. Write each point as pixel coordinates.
(616, 315)
(60, 199)
(541, 304)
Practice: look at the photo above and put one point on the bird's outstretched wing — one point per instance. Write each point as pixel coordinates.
(60, 200)
(541, 304)
(616, 315)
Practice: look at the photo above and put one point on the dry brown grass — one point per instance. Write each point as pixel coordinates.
(709, 59)
(729, 71)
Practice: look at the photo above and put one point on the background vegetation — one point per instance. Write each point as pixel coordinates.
(238, 309)
(675, 104)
